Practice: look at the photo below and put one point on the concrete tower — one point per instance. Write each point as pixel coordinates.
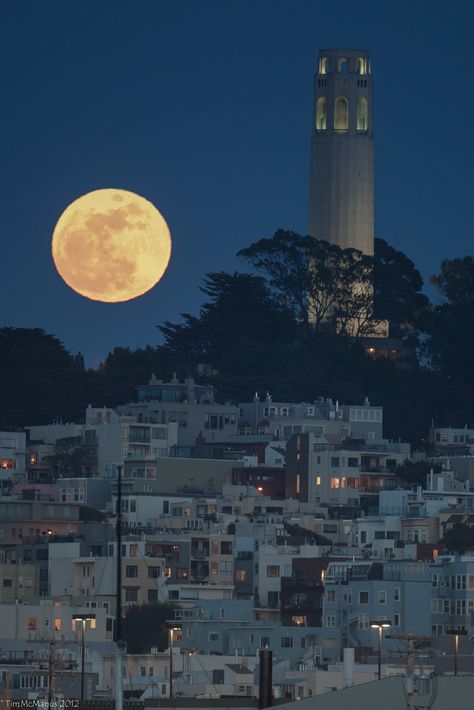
(342, 151)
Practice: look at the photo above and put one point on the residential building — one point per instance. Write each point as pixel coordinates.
(326, 419)
(27, 521)
(191, 406)
(341, 475)
(360, 591)
(12, 457)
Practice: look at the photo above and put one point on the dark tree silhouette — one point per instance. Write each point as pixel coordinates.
(398, 288)
(146, 626)
(451, 327)
(321, 283)
(459, 539)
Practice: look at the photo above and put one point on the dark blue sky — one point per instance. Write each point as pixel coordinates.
(205, 109)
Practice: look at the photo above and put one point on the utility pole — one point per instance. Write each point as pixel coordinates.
(410, 676)
(51, 673)
(118, 613)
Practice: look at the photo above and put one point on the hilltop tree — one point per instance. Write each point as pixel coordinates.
(146, 626)
(398, 288)
(239, 318)
(451, 325)
(459, 539)
(321, 283)
(38, 378)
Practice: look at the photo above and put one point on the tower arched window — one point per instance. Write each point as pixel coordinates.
(362, 114)
(341, 114)
(361, 66)
(342, 67)
(323, 65)
(321, 114)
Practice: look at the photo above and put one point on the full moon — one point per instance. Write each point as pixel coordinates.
(111, 245)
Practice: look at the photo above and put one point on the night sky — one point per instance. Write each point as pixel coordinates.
(205, 108)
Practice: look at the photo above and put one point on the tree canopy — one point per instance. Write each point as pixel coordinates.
(146, 626)
(416, 472)
(240, 318)
(451, 325)
(322, 284)
(398, 285)
(459, 539)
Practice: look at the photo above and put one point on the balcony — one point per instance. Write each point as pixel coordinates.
(199, 571)
(200, 553)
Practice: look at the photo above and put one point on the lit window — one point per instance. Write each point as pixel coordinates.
(341, 114)
(362, 114)
(361, 66)
(273, 570)
(321, 114)
(334, 482)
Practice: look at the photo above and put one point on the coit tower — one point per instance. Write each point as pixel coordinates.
(342, 151)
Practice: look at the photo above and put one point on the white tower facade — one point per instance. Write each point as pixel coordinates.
(342, 151)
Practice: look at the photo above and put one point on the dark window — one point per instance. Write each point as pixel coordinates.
(152, 596)
(353, 462)
(131, 595)
(218, 677)
(153, 572)
(226, 548)
(273, 599)
(131, 571)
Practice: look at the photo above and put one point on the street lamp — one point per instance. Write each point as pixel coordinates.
(172, 630)
(380, 625)
(456, 633)
(82, 619)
